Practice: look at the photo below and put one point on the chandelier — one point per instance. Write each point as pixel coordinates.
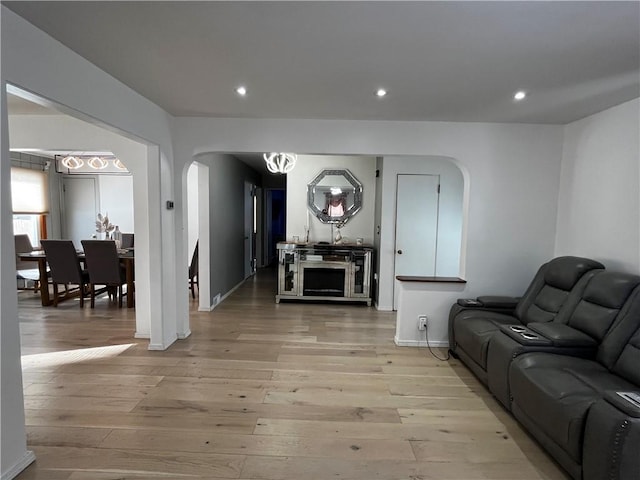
(79, 163)
(280, 162)
(72, 163)
(98, 163)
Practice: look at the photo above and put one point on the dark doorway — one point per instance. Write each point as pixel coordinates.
(276, 216)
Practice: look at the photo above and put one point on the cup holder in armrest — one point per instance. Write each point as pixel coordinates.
(524, 335)
(529, 336)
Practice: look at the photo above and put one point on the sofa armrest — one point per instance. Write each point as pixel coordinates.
(626, 402)
(490, 302)
(562, 335)
(501, 302)
(612, 439)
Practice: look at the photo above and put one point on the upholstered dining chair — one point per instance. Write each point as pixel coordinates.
(24, 268)
(101, 257)
(127, 240)
(193, 272)
(64, 263)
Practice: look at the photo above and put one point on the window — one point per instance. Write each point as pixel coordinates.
(29, 224)
(29, 191)
(30, 201)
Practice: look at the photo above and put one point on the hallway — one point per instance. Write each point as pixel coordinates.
(259, 391)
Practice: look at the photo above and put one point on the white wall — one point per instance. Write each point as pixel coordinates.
(511, 182)
(193, 220)
(431, 299)
(599, 203)
(116, 198)
(306, 169)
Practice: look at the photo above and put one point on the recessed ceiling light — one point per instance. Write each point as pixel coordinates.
(242, 91)
(381, 92)
(520, 95)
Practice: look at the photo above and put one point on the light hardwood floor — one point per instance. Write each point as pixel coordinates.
(260, 390)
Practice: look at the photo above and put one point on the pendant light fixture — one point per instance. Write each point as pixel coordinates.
(280, 162)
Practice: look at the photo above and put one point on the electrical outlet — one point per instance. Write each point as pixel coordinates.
(422, 322)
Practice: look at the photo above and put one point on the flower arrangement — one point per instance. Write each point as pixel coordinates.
(103, 225)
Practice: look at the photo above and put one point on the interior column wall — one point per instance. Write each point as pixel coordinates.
(85, 92)
(28, 57)
(14, 455)
(599, 203)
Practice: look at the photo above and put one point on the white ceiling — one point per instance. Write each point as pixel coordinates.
(457, 61)
(19, 106)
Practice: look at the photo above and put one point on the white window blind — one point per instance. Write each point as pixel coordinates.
(29, 191)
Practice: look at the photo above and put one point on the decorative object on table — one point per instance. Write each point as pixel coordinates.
(103, 226)
(117, 237)
(338, 238)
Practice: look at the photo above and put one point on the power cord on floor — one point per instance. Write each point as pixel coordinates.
(426, 336)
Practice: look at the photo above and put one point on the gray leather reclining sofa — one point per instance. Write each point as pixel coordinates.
(565, 360)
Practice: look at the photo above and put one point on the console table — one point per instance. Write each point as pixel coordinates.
(324, 272)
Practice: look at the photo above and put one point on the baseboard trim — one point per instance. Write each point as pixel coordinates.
(27, 459)
(218, 299)
(145, 336)
(382, 308)
(182, 336)
(222, 299)
(420, 343)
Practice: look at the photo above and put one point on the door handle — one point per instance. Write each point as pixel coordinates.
(399, 252)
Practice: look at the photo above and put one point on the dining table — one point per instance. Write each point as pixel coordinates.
(126, 256)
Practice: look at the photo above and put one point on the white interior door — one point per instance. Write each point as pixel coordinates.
(80, 208)
(416, 227)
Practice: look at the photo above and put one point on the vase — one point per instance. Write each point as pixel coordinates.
(101, 235)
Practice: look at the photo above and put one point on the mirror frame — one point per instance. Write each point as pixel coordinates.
(351, 211)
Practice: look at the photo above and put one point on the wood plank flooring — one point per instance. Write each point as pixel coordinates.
(260, 391)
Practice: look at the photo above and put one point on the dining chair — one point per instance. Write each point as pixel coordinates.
(193, 272)
(24, 268)
(66, 270)
(127, 240)
(101, 257)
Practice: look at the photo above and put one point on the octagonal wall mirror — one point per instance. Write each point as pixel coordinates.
(334, 196)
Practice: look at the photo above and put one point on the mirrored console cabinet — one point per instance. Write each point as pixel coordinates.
(324, 272)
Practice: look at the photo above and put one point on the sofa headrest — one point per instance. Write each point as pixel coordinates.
(610, 289)
(564, 272)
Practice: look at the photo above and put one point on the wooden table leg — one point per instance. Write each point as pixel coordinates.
(44, 282)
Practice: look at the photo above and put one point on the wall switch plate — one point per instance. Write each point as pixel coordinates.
(422, 322)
